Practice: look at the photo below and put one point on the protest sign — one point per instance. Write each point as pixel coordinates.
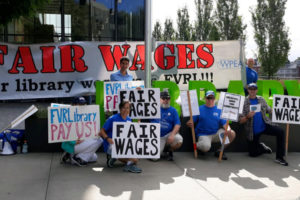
(231, 105)
(136, 140)
(286, 109)
(145, 103)
(69, 123)
(111, 90)
(185, 104)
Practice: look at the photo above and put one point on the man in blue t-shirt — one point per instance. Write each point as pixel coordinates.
(169, 126)
(209, 125)
(257, 123)
(251, 74)
(122, 74)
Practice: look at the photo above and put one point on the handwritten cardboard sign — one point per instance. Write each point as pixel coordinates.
(185, 103)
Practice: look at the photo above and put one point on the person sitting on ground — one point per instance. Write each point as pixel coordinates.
(208, 125)
(169, 127)
(106, 134)
(80, 152)
(257, 124)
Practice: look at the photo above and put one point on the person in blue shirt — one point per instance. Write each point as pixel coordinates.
(169, 126)
(209, 125)
(122, 74)
(106, 134)
(257, 123)
(251, 74)
(80, 152)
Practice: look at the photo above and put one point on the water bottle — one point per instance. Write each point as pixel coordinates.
(25, 147)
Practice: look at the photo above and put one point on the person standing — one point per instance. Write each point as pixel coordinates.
(257, 124)
(251, 74)
(209, 125)
(122, 74)
(169, 126)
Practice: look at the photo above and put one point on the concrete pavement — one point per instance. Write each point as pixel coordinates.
(40, 176)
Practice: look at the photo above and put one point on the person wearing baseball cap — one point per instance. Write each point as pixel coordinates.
(170, 139)
(209, 125)
(122, 74)
(257, 123)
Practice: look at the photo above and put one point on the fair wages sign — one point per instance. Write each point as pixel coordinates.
(69, 123)
(145, 103)
(70, 68)
(286, 109)
(111, 90)
(136, 140)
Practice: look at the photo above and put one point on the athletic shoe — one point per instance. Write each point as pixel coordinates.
(132, 168)
(65, 158)
(110, 161)
(78, 161)
(170, 156)
(281, 161)
(217, 154)
(266, 148)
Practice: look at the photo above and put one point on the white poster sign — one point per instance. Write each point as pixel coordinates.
(69, 123)
(136, 140)
(185, 104)
(286, 109)
(230, 104)
(145, 103)
(111, 90)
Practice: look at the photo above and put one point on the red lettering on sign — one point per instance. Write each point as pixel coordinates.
(184, 56)
(48, 59)
(24, 55)
(3, 51)
(112, 58)
(139, 58)
(204, 53)
(159, 57)
(66, 58)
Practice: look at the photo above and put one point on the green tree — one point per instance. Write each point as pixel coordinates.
(157, 32)
(227, 20)
(183, 24)
(169, 32)
(203, 22)
(270, 34)
(14, 9)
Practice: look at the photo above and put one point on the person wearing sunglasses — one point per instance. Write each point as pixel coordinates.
(170, 139)
(209, 126)
(257, 123)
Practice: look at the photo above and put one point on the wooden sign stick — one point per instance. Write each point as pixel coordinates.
(287, 138)
(223, 142)
(193, 129)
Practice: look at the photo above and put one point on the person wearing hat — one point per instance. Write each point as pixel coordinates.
(209, 125)
(257, 123)
(80, 152)
(122, 74)
(170, 139)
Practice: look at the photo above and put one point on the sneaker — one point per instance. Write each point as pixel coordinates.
(65, 158)
(78, 161)
(132, 168)
(266, 148)
(217, 154)
(170, 156)
(110, 161)
(281, 161)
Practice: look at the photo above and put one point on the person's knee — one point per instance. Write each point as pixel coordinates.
(204, 147)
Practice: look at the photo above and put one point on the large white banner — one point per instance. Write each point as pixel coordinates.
(69, 123)
(136, 140)
(71, 68)
(286, 109)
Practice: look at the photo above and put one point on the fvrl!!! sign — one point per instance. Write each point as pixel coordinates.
(69, 123)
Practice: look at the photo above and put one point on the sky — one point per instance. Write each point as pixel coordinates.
(292, 17)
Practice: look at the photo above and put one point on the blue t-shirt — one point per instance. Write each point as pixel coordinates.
(258, 121)
(117, 76)
(169, 118)
(108, 126)
(251, 75)
(209, 121)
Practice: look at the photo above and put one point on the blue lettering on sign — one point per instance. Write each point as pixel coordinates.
(112, 88)
(229, 64)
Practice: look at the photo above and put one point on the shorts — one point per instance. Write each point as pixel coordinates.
(204, 142)
(163, 140)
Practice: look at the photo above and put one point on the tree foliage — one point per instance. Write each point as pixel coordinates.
(169, 32)
(227, 20)
(157, 32)
(271, 34)
(14, 9)
(203, 24)
(183, 24)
